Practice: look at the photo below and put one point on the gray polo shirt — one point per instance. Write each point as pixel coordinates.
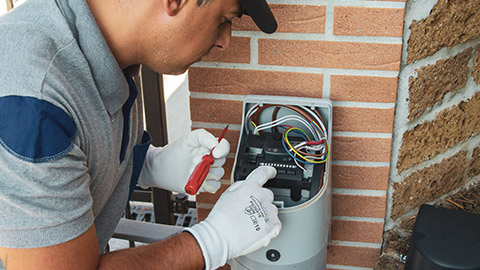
(69, 123)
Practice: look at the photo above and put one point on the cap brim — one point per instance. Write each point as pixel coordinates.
(261, 15)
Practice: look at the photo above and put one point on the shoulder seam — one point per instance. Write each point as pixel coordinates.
(50, 64)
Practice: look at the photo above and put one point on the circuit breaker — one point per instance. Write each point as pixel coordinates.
(292, 134)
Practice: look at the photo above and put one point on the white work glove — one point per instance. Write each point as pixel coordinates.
(169, 168)
(242, 221)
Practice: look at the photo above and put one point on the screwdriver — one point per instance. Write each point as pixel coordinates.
(198, 175)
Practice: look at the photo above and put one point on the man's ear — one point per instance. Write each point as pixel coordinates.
(172, 7)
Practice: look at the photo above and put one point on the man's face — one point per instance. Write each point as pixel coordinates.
(199, 29)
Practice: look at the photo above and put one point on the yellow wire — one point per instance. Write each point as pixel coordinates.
(296, 152)
(255, 126)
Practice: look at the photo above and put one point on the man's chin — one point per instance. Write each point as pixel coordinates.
(177, 72)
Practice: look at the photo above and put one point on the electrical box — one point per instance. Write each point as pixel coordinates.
(293, 135)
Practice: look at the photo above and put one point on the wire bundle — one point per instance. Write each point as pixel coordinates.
(309, 151)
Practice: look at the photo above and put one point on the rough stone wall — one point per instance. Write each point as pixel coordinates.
(476, 67)
(435, 150)
(434, 81)
(451, 22)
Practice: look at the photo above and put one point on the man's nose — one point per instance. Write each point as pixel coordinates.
(224, 36)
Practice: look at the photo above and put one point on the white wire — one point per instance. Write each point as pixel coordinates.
(299, 165)
(322, 125)
(255, 108)
(285, 119)
(303, 149)
(319, 137)
(282, 120)
(315, 148)
(250, 112)
(295, 117)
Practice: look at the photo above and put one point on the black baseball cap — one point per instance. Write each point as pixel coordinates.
(261, 14)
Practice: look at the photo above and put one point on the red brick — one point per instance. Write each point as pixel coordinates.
(255, 82)
(352, 256)
(356, 177)
(231, 136)
(358, 206)
(202, 213)
(206, 197)
(345, 230)
(217, 111)
(361, 149)
(363, 119)
(363, 88)
(290, 18)
(238, 52)
(229, 167)
(362, 21)
(329, 54)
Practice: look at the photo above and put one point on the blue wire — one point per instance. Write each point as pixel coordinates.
(293, 156)
(296, 131)
(319, 129)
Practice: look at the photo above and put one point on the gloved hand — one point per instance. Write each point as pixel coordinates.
(169, 168)
(242, 221)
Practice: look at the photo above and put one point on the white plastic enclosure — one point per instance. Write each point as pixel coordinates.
(304, 201)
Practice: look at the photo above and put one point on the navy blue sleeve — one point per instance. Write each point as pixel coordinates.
(34, 130)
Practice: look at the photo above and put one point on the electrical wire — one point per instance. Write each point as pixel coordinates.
(314, 147)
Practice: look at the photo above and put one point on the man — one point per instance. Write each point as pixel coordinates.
(72, 140)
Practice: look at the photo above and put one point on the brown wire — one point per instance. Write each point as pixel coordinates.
(256, 115)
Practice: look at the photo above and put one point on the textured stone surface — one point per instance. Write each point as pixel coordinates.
(449, 23)
(476, 67)
(396, 241)
(467, 199)
(451, 127)
(428, 184)
(475, 163)
(434, 81)
(395, 244)
(388, 263)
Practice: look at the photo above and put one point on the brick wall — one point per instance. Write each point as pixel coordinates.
(436, 143)
(348, 51)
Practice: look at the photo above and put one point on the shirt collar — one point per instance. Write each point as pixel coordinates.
(107, 74)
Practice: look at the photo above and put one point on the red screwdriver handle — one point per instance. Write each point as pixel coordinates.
(198, 175)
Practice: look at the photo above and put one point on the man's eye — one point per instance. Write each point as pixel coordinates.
(225, 20)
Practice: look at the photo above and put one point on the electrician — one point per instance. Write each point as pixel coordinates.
(72, 140)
